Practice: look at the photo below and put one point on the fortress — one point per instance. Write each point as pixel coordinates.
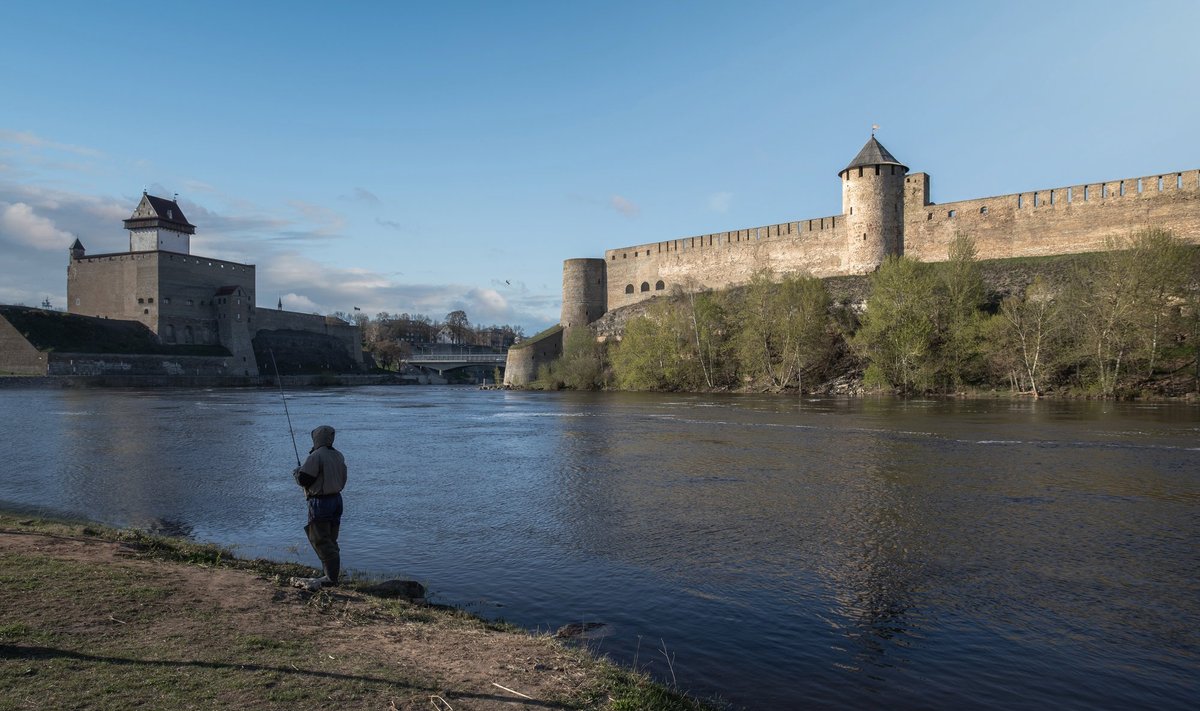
(885, 211)
(199, 313)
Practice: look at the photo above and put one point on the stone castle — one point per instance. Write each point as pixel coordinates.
(885, 211)
(188, 303)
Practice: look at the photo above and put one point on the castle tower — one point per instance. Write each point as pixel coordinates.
(585, 292)
(159, 224)
(872, 207)
(77, 250)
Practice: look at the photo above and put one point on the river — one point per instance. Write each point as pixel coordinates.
(780, 553)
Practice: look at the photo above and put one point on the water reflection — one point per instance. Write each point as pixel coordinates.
(933, 554)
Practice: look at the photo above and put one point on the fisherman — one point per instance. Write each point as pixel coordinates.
(323, 476)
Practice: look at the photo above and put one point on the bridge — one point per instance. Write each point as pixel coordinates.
(441, 362)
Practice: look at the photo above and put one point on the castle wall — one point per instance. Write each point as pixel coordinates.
(584, 290)
(186, 288)
(109, 286)
(522, 363)
(873, 209)
(347, 335)
(159, 289)
(17, 354)
(724, 259)
(1065, 220)
(136, 364)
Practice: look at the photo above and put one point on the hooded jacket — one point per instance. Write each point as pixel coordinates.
(324, 472)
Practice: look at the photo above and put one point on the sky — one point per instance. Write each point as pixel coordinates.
(424, 157)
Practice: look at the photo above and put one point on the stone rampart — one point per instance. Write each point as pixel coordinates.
(17, 355)
(137, 364)
(724, 259)
(524, 359)
(347, 335)
(1065, 220)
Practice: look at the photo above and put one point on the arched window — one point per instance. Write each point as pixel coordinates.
(659, 286)
(188, 337)
(629, 288)
(170, 333)
(645, 286)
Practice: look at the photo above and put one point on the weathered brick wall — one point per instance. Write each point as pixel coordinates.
(1067, 220)
(109, 285)
(159, 289)
(346, 334)
(523, 362)
(724, 259)
(126, 364)
(584, 292)
(187, 285)
(17, 355)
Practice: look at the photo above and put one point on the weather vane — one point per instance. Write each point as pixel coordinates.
(874, 128)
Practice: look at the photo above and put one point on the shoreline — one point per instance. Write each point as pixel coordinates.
(115, 618)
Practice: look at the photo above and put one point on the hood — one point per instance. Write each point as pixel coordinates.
(322, 437)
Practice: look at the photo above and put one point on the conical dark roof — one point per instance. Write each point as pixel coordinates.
(873, 153)
(77, 244)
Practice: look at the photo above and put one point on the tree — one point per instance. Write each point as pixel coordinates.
(784, 329)
(1162, 268)
(582, 364)
(1102, 299)
(898, 331)
(460, 327)
(705, 312)
(960, 294)
(1031, 326)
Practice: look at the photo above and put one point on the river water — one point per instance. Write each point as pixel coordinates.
(780, 553)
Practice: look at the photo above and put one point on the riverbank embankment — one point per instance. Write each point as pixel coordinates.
(206, 381)
(113, 619)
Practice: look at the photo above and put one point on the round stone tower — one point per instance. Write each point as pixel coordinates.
(584, 291)
(872, 207)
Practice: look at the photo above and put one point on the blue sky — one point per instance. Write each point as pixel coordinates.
(424, 157)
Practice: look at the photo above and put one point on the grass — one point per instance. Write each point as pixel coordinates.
(102, 618)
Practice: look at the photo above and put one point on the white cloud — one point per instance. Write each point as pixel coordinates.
(295, 302)
(26, 138)
(624, 205)
(19, 223)
(720, 202)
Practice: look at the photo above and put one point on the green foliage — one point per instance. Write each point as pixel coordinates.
(784, 331)
(1023, 340)
(582, 364)
(1101, 323)
(899, 329)
(960, 329)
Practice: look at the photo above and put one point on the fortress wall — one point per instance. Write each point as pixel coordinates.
(186, 287)
(345, 333)
(725, 259)
(522, 364)
(1065, 220)
(132, 364)
(17, 354)
(109, 285)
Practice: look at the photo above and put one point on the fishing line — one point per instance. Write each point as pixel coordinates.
(279, 381)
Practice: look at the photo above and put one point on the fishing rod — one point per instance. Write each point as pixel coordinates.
(279, 381)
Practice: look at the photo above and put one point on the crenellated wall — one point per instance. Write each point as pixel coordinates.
(1065, 220)
(725, 259)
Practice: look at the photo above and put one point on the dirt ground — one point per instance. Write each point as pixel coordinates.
(96, 624)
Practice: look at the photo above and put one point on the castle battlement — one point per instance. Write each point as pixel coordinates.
(888, 211)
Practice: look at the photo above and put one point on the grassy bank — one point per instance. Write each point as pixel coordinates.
(99, 618)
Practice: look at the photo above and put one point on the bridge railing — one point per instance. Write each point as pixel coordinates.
(464, 358)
